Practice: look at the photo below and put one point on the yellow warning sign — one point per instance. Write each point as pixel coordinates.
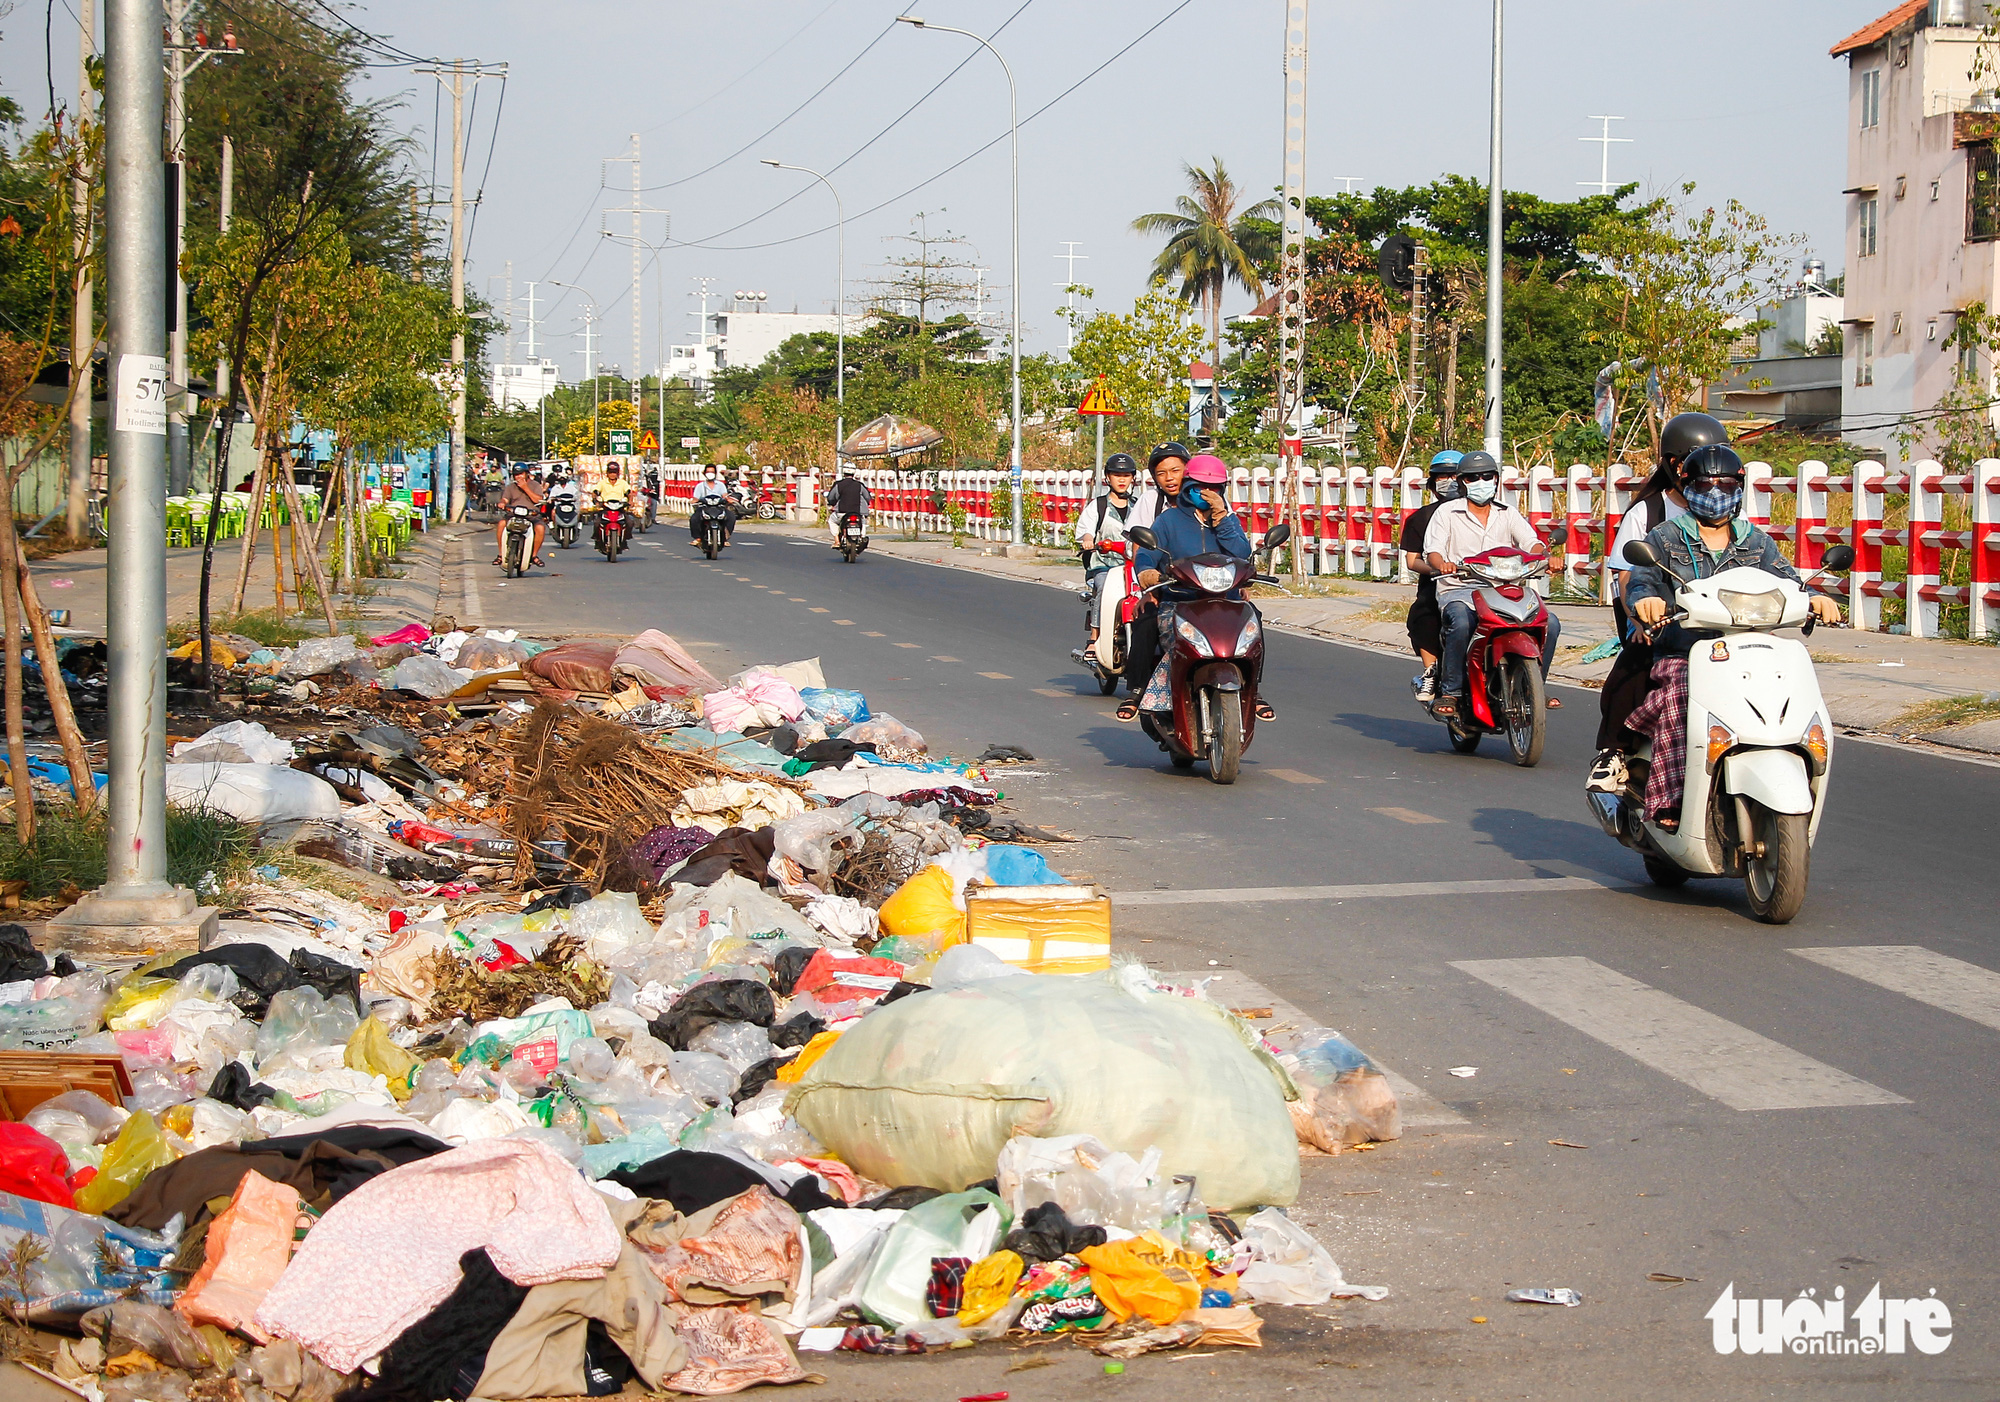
(649, 444)
(1100, 402)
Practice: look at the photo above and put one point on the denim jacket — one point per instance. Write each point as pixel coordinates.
(1679, 544)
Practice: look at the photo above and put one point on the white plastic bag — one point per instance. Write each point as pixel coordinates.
(1291, 1268)
(609, 922)
(1094, 1185)
(317, 655)
(957, 1224)
(427, 676)
(256, 793)
(856, 1233)
(234, 742)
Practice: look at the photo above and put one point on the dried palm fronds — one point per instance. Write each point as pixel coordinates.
(559, 971)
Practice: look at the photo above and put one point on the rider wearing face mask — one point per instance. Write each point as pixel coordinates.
(1168, 466)
(1424, 621)
(1710, 538)
(710, 488)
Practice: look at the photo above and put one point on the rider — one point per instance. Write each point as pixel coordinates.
(849, 497)
(614, 490)
(1424, 620)
(1105, 519)
(710, 488)
(519, 492)
(1474, 523)
(1711, 537)
(1630, 678)
(1167, 465)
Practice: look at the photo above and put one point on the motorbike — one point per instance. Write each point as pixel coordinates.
(614, 530)
(1104, 655)
(1759, 746)
(1215, 654)
(644, 508)
(565, 520)
(1504, 692)
(519, 547)
(853, 537)
(770, 504)
(711, 525)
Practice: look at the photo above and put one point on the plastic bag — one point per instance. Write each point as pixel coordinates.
(1142, 1277)
(929, 1089)
(541, 1038)
(988, 1287)
(409, 633)
(1093, 1185)
(964, 965)
(581, 665)
(1020, 866)
(248, 1246)
(315, 656)
(234, 742)
(126, 1325)
(608, 923)
(833, 708)
(923, 906)
(952, 1224)
(1343, 1098)
(817, 840)
(139, 1002)
(370, 1052)
(1291, 1268)
(255, 793)
(32, 1165)
(486, 655)
(891, 738)
(741, 1044)
(427, 676)
(79, 1113)
(655, 661)
(303, 1017)
(795, 1069)
(137, 1151)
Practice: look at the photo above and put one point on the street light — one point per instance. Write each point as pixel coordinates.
(1496, 256)
(590, 358)
(1014, 139)
(839, 303)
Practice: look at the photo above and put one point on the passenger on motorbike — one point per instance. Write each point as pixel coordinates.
(1167, 465)
(1105, 518)
(849, 497)
(1710, 538)
(1424, 621)
(519, 492)
(1478, 521)
(710, 488)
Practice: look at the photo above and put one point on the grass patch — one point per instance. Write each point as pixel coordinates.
(1947, 711)
(1831, 659)
(1310, 587)
(1383, 611)
(69, 849)
(263, 625)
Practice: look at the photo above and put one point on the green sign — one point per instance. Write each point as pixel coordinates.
(620, 440)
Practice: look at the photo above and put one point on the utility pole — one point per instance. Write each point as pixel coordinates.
(1069, 256)
(701, 336)
(1292, 275)
(531, 319)
(510, 311)
(136, 905)
(1419, 288)
(1605, 142)
(82, 338)
(638, 211)
(1496, 253)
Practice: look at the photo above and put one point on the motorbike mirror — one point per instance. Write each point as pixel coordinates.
(1143, 537)
(1840, 557)
(1641, 552)
(1277, 535)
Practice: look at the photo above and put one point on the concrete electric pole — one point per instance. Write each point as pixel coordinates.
(1496, 253)
(1292, 275)
(1069, 255)
(638, 211)
(82, 337)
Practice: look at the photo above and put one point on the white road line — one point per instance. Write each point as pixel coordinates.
(470, 571)
(1239, 990)
(1937, 979)
(1537, 885)
(1733, 1064)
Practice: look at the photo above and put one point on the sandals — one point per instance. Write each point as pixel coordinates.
(1128, 709)
(536, 564)
(496, 559)
(1264, 711)
(1445, 707)
(1555, 703)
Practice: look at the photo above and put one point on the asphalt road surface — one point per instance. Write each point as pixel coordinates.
(1807, 1108)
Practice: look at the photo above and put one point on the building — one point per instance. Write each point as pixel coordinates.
(1792, 377)
(522, 385)
(1923, 210)
(743, 335)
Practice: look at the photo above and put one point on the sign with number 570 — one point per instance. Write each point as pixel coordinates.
(139, 395)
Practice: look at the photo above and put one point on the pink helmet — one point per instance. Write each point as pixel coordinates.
(1208, 469)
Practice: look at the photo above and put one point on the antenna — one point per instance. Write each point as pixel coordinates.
(1068, 285)
(1604, 144)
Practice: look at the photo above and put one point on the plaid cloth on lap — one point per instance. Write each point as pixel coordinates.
(946, 1292)
(1663, 718)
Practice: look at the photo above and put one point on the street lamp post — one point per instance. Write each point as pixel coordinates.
(1496, 257)
(1014, 139)
(839, 303)
(589, 358)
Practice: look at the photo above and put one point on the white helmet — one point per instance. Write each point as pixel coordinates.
(847, 469)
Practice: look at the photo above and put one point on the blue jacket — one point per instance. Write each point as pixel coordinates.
(1181, 533)
(1679, 544)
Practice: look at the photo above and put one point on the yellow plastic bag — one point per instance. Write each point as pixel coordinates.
(988, 1287)
(370, 1052)
(139, 1003)
(1142, 1277)
(923, 906)
(811, 1052)
(137, 1151)
(192, 649)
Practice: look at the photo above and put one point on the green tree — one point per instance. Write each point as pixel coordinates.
(1141, 356)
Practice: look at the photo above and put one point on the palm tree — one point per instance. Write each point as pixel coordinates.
(1209, 243)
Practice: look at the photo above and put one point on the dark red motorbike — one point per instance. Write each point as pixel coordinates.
(1503, 663)
(614, 530)
(1215, 653)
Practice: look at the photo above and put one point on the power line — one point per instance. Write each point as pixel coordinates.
(703, 102)
(492, 145)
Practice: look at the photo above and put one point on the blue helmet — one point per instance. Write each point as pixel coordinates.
(1445, 464)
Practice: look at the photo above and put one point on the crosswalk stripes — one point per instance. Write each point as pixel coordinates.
(1937, 979)
(1734, 1065)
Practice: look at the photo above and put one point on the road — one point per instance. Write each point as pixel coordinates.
(1735, 1104)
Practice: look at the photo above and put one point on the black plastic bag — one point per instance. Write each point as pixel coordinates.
(19, 959)
(1045, 1233)
(232, 1086)
(756, 1079)
(704, 1005)
(797, 1030)
(789, 964)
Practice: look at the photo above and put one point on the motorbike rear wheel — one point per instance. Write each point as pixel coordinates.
(1107, 685)
(1225, 743)
(1527, 711)
(1776, 880)
(1462, 740)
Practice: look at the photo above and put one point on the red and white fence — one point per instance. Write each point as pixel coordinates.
(1351, 519)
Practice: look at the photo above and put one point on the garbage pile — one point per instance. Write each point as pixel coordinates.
(681, 1028)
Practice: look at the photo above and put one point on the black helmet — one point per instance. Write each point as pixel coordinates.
(1165, 451)
(1477, 461)
(1710, 460)
(1684, 433)
(1121, 462)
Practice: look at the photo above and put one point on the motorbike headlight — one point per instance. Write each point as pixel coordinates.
(1764, 610)
(1816, 743)
(1192, 636)
(1720, 740)
(1252, 634)
(1216, 579)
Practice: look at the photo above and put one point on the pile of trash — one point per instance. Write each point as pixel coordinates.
(682, 1027)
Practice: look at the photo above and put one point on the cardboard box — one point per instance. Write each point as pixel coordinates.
(1042, 929)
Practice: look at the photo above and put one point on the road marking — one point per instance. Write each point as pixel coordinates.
(1406, 815)
(906, 644)
(1238, 990)
(996, 676)
(1910, 969)
(820, 610)
(1732, 1064)
(945, 659)
(844, 622)
(795, 601)
(743, 579)
(1538, 885)
(1293, 776)
(474, 613)
(874, 635)
(1059, 695)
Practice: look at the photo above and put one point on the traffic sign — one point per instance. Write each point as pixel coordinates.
(690, 442)
(620, 439)
(1100, 403)
(649, 444)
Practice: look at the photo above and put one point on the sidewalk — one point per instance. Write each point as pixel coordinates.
(1876, 684)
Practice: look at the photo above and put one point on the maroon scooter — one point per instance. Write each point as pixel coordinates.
(1215, 658)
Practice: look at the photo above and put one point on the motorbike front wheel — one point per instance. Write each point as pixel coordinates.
(708, 546)
(1776, 861)
(1225, 741)
(1527, 711)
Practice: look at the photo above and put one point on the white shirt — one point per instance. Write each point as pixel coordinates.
(1455, 533)
(1632, 526)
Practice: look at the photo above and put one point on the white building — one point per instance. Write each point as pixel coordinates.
(742, 336)
(522, 385)
(1923, 209)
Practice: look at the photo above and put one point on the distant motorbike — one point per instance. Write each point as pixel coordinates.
(1759, 748)
(770, 504)
(565, 520)
(1503, 662)
(614, 531)
(1215, 654)
(1103, 656)
(711, 525)
(519, 547)
(853, 537)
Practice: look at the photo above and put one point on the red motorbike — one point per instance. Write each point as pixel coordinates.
(1503, 662)
(1215, 655)
(614, 530)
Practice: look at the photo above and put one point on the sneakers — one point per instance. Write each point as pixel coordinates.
(1607, 772)
(1427, 689)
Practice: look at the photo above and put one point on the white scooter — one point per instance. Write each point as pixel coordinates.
(1104, 655)
(1759, 746)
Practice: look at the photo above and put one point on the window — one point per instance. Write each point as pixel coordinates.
(1902, 186)
(1864, 355)
(1968, 362)
(1865, 227)
(1896, 324)
(1934, 190)
(1982, 193)
(1871, 98)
